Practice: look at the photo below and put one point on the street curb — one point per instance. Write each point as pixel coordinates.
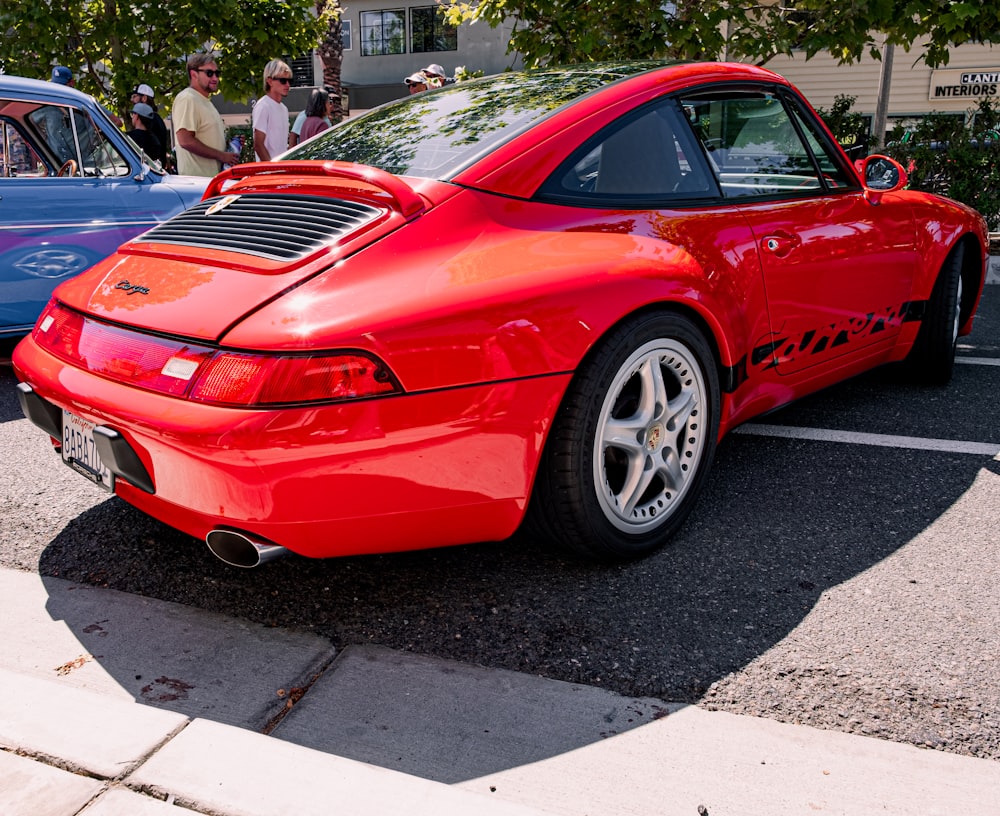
(86, 745)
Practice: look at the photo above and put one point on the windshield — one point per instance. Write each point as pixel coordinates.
(436, 133)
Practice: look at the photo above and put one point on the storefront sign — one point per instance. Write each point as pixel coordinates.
(964, 84)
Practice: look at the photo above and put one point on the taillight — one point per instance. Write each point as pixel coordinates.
(206, 374)
(252, 379)
(152, 363)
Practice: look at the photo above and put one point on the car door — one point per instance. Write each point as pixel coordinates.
(68, 198)
(837, 269)
(643, 182)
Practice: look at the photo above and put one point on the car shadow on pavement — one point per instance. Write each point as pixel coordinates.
(765, 541)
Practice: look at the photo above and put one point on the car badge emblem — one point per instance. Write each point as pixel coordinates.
(655, 437)
(132, 288)
(221, 204)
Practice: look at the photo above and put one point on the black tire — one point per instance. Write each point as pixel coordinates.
(931, 361)
(632, 442)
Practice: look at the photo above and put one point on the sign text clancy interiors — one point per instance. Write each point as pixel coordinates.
(965, 83)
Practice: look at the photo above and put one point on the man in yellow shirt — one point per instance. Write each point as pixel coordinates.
(199, 131)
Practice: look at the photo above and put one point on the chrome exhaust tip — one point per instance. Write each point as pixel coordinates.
(242, 549)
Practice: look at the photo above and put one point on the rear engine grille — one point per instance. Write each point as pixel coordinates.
(279, 227)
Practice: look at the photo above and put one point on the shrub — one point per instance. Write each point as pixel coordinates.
(955, 156)
(849, 128)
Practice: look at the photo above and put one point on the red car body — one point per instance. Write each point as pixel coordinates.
(466, 311)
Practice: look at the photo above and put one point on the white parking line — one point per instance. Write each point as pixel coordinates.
(986, 361)
(879, 440)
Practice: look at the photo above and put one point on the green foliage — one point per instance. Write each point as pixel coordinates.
(567, 31)
(848, 127)
(463, 74)
(955, 156)
(111, 46)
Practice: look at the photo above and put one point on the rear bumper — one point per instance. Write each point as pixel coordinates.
(114, 449)
(409, 472)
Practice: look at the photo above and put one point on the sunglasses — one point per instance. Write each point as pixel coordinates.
(209, 72)
(282, 80)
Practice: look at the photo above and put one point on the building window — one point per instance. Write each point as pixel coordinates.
(430, 32)
(302, 71)
(345, 34)
(383, 32)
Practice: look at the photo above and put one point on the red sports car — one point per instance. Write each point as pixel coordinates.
(535, 297)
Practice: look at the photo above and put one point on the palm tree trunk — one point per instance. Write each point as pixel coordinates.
(331, 53)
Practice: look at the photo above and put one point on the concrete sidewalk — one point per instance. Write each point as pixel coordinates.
(116, 705)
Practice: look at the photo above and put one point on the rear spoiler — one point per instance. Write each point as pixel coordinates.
(407, 201)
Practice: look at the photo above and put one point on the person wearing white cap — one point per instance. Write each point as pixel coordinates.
(143, 94)
(416, 83)
(435, 76)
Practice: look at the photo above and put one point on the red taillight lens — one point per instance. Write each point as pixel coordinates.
(248, 379)
(206, 374)
(153, 363)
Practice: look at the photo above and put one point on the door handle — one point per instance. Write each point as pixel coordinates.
(780, 243)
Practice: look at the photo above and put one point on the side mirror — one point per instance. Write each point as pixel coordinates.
(882, 175)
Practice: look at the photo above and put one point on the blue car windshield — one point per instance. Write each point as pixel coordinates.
(436, 133)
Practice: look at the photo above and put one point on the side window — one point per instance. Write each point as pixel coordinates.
(754, 146)
(17, 158)
(833, 172)
(55, 126)
(72, 136)
(644, 158)
(100, 156)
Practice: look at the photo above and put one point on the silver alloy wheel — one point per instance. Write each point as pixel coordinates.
(650, 435)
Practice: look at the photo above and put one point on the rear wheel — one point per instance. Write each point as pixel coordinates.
(932, 358)
(633, 441)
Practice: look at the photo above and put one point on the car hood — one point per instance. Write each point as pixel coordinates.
(243, 246)
(189, 189)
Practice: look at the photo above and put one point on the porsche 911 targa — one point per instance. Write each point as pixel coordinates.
(533, 298)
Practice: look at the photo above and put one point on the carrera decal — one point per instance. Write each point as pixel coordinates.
(775, 350)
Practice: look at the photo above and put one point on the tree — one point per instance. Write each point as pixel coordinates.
(331, 52)
(113, 46)
(566, 31)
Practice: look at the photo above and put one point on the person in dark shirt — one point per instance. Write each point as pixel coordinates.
(142, 134)
(144, 93)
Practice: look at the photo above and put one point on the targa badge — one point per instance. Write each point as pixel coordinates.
(132, 288)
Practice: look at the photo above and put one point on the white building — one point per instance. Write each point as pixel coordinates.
(384, 42)
(915, 90)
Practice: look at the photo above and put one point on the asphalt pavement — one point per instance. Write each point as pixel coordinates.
(113, 703)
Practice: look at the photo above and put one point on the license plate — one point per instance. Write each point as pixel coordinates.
(80, 452)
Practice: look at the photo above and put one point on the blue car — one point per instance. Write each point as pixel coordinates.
(73, 188)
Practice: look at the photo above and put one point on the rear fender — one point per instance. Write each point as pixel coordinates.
(510, 303)
(937, 234)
